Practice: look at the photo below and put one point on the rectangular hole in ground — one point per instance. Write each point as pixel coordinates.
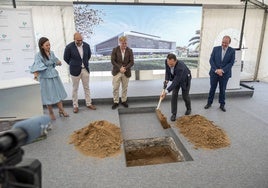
(151, 151)
(145, 140)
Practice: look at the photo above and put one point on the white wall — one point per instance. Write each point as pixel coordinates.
(263, 68)
(220, 22)
(57, 23)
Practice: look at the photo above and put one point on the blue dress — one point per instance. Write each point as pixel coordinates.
(52, 89)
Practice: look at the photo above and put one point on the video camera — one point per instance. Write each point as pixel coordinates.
(15, 172)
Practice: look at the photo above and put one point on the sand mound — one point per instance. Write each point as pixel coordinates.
(98, 139)
(201, 132)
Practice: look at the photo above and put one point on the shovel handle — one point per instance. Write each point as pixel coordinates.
(158, 106)
(160, 99)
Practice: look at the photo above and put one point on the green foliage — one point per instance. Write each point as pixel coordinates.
(86, 18)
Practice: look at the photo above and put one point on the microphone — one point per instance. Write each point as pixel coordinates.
(24, 132)
(33, 126)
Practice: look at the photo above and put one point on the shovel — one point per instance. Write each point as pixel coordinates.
(163, 91)
(160, 99)
(160, 116)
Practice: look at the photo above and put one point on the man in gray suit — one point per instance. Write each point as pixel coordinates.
(221, 61)
(122, 60)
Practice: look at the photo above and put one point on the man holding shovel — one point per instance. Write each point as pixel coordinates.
(180, 75)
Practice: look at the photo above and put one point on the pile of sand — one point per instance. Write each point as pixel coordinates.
(98, 139)
(201, 132)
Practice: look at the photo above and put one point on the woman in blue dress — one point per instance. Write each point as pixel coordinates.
(52, 89)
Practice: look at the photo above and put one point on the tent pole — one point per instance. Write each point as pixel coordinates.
(14, 3)
(243, 25)
(257, 67)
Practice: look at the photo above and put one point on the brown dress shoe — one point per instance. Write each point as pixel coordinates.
(92, 107)
(75, 110)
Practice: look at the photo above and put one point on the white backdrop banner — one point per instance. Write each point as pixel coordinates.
(17, 46)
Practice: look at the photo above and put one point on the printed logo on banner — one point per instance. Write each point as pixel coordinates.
(24, 25)
(27, 48)
(28, 69)
(2, 14)
(4, 37)
(7, 60)
(19, 49)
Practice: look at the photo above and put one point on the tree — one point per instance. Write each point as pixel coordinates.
(195, 40)
(86, 18)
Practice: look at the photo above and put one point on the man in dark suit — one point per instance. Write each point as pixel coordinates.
(221, 61)
(77, 55)
(180, 75)
(122, 60)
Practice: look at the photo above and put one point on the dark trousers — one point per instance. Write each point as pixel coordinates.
(214, 80)
(185, 96)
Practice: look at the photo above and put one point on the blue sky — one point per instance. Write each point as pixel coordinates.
(173, 23)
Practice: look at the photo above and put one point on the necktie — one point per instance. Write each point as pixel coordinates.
(172, 70)
(223, 54)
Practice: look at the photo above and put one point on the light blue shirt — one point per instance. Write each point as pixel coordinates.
(46, 68)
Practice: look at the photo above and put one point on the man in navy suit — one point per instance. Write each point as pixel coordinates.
(77, 55)
(221, 61)
(180, 75)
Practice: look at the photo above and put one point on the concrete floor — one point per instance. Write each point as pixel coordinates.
(244, 164)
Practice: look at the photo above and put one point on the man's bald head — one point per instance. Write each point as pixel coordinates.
(78, 39)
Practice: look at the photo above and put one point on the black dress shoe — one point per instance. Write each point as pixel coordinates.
(115, 105)
(207, 106)
(188, 112)
(173, 117)
(223, 108)
(125, 104)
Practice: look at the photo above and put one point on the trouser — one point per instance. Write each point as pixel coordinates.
(117, 80)
(84, 77)
(214, 80)
(185, 96)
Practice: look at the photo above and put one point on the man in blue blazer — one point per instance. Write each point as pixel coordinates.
(77, 55)
(221, 61)
(180, 75)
